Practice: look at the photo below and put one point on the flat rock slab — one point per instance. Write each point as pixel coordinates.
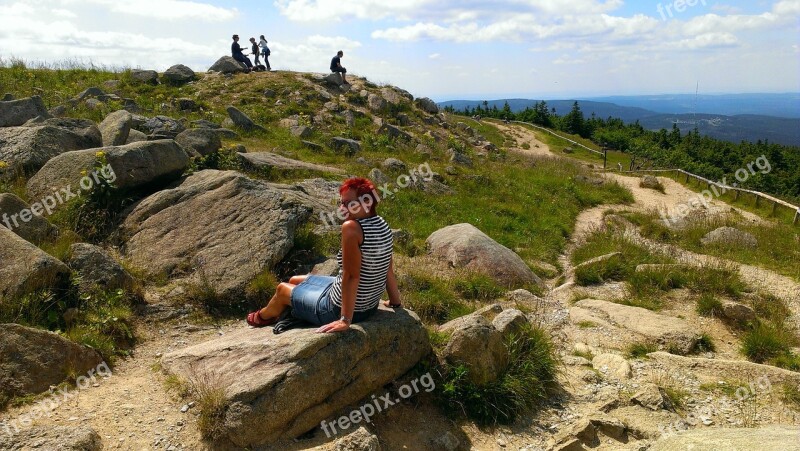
(52, 438)
(280, 386)
(767, 438)
(667, 331)
(712, 370)
(262, 160)
(217, 225)
(26, 149)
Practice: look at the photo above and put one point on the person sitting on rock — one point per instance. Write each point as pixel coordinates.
(336, 66)
(236, 53)
(365, 270)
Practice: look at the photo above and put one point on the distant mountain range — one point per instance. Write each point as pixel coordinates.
(732, 117)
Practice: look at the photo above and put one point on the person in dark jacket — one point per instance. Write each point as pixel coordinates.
(255, 51)
(336, 66)
(236, 53)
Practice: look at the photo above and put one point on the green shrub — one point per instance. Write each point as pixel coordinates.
(704, 344)
(787, 361)
(431, 298)
(104, 322)
(530, 376)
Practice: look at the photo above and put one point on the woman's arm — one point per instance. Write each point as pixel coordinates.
(351, 274)
(391, 287)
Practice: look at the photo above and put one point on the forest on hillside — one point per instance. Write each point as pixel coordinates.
(702, 155)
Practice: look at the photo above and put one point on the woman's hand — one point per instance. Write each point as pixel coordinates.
(389, 304)
(336, 326)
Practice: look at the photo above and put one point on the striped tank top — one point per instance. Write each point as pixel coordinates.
(376, 254)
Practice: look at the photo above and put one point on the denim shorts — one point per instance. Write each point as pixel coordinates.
(311, 302)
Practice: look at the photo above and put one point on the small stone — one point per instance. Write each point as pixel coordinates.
(185, 408)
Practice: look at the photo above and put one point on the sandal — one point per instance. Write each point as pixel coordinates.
(254, 319)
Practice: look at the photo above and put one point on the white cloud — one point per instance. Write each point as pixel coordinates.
(171, 10)
(708, 40)
(326, 10)
(434, 56)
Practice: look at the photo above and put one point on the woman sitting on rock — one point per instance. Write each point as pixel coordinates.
(365, 271)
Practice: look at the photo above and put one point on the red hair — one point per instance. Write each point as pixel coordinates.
(363, 188)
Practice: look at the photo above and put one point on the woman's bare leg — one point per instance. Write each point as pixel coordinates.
(279, 302)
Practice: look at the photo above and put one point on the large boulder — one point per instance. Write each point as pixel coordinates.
(96, 268)
(219, 227)
(427, 105)
(729, 236)
(764, 438)
(266, 161)
(350, 146)
(116, 127)
(139, 165)
(464, 246)
(52, 438)
(178, 75)
(18, 216)
(281, 386)
(394, 132)
(17, 112)
(667, 332)
(227, 65)
(199, 141)
(26, 149)
(31, 360)
(26, 268)
(376, 102)
(242, 120)
(478, 345)
(612, 365)
(145, 76)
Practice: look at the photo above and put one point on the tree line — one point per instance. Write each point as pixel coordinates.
(702, 155)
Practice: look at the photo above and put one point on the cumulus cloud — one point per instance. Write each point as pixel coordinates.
(164, 9)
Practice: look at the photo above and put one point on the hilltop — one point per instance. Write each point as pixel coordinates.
(548, 303)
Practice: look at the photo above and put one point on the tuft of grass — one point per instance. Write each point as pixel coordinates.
(586, 325)
(438, 339)
(708, 305)
(262, 286)
(704, 344)
(525, 384)
(586, 355)
(104, 322)
(640, 350)
(764, 342)
(787, 361)
(479, 287)
(791, 395)
(211, 393)
(431, 298)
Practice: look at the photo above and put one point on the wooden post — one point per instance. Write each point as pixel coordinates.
(605, 157)
(736, 197)
(687, 178)
(774, 206)
(796, 216)
(757, 199)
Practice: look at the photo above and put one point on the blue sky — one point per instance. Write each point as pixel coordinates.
(442, 49)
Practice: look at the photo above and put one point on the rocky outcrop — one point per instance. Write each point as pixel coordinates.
(393, 132)
(729, 236)
(714, 370)
(612, 365)
(18, 216)
(203, 229)
(178, 75)
(17, 112)
(97, 269)
(115, 128)
(269, 160)
(55, 438)
(199, 141)
(651, 182)
(31, 360)
(268, 378)
(350, 146)
(138, 165)
(668, 332)
(26, 268)
(227, 65)
(26, 149)
(161, 127)
(464, 246)
(427, 105)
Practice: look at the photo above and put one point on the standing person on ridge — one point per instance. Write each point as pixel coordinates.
(336, 66)
(254, 50)
(236, 53)
(265, 52)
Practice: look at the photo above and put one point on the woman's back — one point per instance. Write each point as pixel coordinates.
(376, 255)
